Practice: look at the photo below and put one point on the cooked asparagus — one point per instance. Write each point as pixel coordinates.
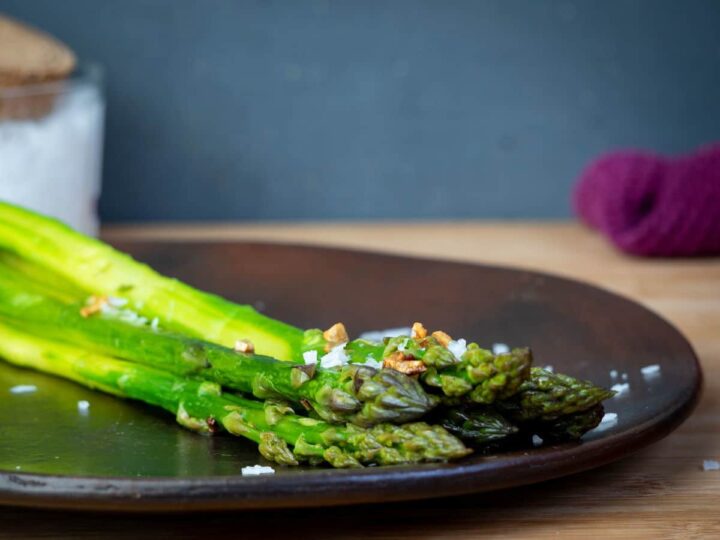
(282, 436)
(352, 393)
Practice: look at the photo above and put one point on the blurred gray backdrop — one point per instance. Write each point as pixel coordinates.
(229, 109)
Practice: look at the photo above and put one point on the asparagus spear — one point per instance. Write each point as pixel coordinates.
(569, 427)
(201, 406)
(357, 394)
(97, 268)
(476, 425)
(548, 396)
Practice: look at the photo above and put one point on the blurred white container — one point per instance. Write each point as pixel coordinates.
(51, 139)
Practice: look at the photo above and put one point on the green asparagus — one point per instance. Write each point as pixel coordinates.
(547, 396)
(477, 426)
(569, 427)
(282, 436)
(352, 393)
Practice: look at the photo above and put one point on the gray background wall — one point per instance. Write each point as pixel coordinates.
(223, 109)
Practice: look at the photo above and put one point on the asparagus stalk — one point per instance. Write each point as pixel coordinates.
(97, 268)
(569, 427)
(477, 426)
(548, 396)
(282, 436)
(357, 394)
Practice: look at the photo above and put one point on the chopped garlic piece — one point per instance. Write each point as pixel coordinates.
(418, 331)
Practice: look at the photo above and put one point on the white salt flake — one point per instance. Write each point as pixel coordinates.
(609, 420)
(114, 301)
(458, 347)
(648, 372)
(335, 358)
(155, 323)
(23, 389)
(310, 357)
(613, 373)
(17, 467)
(537, 440)
(83, 406)
(551, 369)
(711, 465)
(620, 389)
(403, 346)
(379, 335)
(500, 348)
(371, 362)
(624, 376)
(256, 470)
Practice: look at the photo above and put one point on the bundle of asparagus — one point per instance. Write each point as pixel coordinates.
(75, 307)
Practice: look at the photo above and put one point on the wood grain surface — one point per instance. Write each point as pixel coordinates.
(661, 492)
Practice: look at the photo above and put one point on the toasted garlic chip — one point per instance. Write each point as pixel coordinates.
(418, 331)
(244, 346)
(336, 334)
(398, 362)
(441, 337)
(94, 305)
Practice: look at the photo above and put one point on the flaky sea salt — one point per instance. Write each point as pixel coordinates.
(620, 389)
(551, 369)
(335, 358)
(609, 420)
(310, 357)
(711, 465)
(613, 373)
(256, 470)
(155, 323)
(458, 347)
(624, 376)
(371, 362)
(500, 348)
(648, 372)
(83, 406)
(379, 335)
(23, 389)
(537, 440)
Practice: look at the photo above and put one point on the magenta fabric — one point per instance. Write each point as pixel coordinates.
(654, 205)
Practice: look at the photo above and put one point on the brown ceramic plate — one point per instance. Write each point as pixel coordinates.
(126, 456)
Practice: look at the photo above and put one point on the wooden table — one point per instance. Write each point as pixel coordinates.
(660, 492)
